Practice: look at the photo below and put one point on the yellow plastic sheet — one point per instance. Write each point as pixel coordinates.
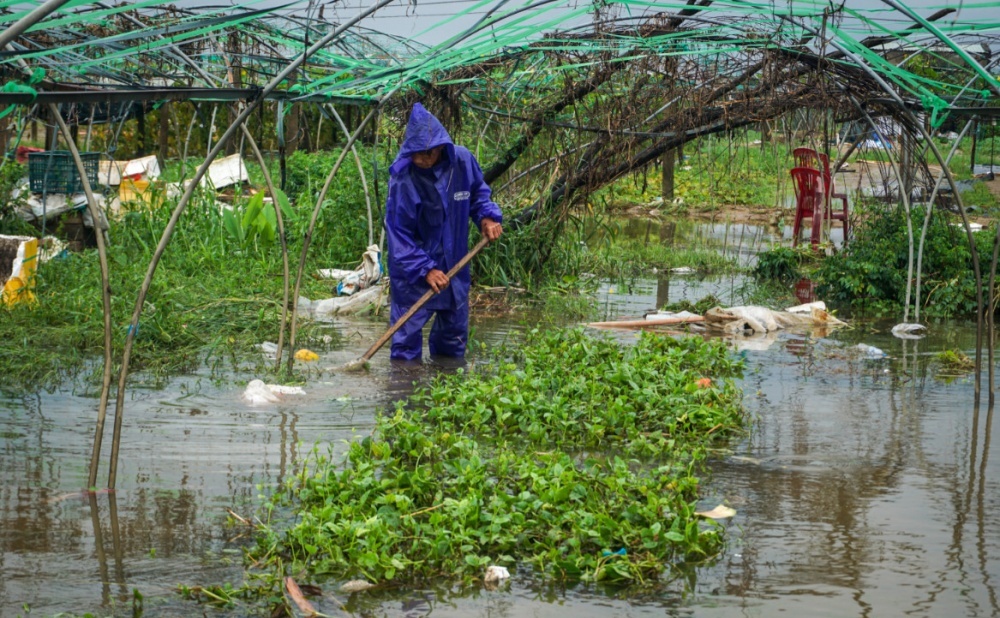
(19, 287)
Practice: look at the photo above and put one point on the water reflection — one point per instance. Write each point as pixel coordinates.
(852, 493)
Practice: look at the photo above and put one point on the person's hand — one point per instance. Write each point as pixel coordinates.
(437, 280)
(491, 229)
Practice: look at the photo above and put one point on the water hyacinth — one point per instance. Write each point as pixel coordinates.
(573, 454)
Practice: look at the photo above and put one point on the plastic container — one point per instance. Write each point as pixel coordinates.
(54, 171)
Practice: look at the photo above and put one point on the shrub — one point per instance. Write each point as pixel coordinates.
(870, 275)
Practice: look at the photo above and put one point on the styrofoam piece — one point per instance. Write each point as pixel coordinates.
(18, 283)
(144, 166)
(225, 172)
(111, 172)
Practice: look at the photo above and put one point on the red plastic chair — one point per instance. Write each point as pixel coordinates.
(807, 157)
(809, 200)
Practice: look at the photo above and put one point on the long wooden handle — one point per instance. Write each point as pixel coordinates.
(648, 322)
(422, 300)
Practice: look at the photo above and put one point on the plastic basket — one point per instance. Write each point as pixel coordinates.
(54, 171)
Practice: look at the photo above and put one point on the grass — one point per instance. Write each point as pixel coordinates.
(212, 300)
(589, 474)
(714, 172)
(629, 258)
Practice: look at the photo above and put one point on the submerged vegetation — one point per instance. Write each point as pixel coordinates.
(589, 474)
(869, 275)
(708, 174)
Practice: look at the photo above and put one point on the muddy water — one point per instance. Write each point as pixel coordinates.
(867, 487)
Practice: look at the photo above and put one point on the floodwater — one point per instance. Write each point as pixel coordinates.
(866, 487)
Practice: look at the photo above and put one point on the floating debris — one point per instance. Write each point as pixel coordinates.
(258, 393)
(496, 574)
(720, 512)
(909, 331)
(356, 585)
(870, 351)
(306, 355)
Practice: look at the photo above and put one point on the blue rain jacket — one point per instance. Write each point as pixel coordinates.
(427, 233)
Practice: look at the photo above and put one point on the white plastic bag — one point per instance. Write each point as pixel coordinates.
(259, 393)
(364, 276)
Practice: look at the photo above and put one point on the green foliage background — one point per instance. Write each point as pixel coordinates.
(870, 276)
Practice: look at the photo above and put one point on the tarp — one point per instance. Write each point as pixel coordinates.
(18, 262)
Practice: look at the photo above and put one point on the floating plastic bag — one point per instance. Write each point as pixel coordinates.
(306, 355)
(356, 585)
(870, 351)
(909, 331)
(362, 302)
(258, 393)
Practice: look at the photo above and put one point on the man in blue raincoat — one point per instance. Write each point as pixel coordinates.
(435, 187)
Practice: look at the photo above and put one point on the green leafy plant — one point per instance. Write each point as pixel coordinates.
(955, 361)
(583, 474)
(870, 275)
(778, 264)
(257, 222)
(11, 175)
(700, 306)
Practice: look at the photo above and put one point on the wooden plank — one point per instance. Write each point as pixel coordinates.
(643, 323)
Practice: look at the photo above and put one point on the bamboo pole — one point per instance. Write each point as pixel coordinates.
(647, 322)
(927, 218)
(312, 226)
(286, 275)
(233, 77)
(905, 198)
(102, 252)
(361, 172)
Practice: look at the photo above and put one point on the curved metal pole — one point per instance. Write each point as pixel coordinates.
(361, 172)
(312, 226)
(927, 216)
(209, 79)
(904, 196)
(182, 204)
(17, 28)
(279, 217)
(211, 129)
(102, 253)
(992, 84)
(930, 207)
